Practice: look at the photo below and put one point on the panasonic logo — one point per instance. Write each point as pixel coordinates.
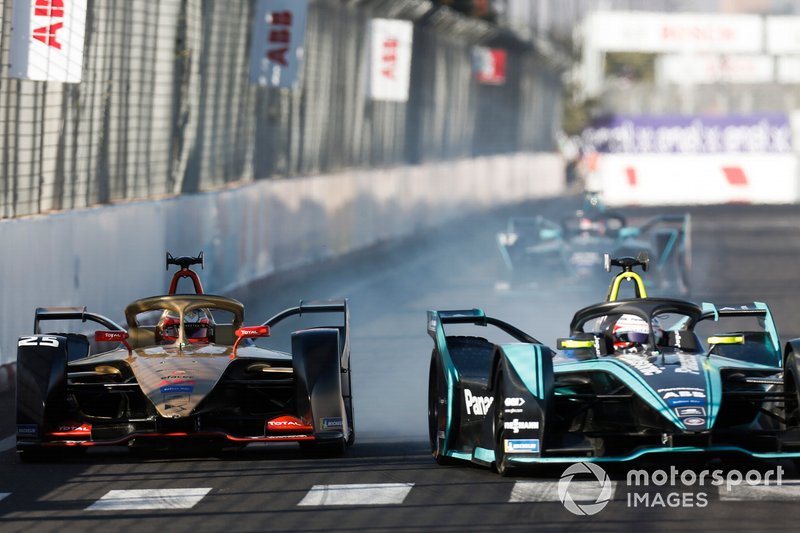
(477, 405)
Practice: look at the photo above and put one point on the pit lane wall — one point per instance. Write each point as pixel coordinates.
(106, 257)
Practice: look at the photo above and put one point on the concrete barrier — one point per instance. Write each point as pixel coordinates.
(106, 257)
(686, 179)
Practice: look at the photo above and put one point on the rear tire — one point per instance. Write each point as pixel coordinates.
(437, 411)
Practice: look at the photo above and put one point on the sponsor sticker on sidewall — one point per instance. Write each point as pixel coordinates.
(521, 445)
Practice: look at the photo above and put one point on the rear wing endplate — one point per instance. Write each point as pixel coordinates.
(328, 306)
(71, 313)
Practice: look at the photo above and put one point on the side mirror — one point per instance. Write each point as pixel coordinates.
(572, 343)
(726, 338)
(249, 332)
(548, 234)
(113, 336)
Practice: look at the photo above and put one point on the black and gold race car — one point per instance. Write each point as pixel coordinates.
(184, 369)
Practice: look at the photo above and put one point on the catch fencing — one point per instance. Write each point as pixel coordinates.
(165, 106)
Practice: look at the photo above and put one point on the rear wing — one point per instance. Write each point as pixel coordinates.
(437, 319)
(329, 306)
(759, 310)
(71, 313)
(546, 229)
(678, 229)
(532, 229)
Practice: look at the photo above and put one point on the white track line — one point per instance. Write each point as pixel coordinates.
(547, 491)
(788, 490)
(357, 494)
(122, 500)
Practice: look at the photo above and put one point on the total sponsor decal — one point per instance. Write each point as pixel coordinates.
(332, 422)
(477, 405)
(683, 396)
(640, 363)
(521, 445)
(72, 429)
(287, 423)
(515, 425)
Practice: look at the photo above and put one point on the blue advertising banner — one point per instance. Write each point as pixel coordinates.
(690, 134)
(276, 48)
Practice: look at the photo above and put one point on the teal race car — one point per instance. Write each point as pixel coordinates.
(535, 249)
(636, 377)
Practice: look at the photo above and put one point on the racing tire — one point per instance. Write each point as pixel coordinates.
(501, 464)
(792, 405)
(437, 411)
(351, 425)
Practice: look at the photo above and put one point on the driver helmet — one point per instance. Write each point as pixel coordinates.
(632, 333)
(588, 226)
(196, 326)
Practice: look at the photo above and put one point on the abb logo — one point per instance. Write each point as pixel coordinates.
(389, 58)
(279, 36)
(52, 9)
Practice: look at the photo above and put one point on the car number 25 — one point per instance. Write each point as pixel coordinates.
(38, 341)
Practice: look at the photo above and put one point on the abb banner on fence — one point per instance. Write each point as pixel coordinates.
(390, 59)
(489, 65)
(47, 40)
(276, 46)
(653, 160)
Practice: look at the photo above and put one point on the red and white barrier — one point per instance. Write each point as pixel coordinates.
(680, 179)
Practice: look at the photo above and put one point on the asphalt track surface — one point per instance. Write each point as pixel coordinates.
(388, 481)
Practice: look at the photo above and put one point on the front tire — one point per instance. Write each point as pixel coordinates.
(790, 379)
(437, 411)
(501, 464)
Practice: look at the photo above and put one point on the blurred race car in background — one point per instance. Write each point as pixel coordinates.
(633, 379)
(537, 251)
(185, 370)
